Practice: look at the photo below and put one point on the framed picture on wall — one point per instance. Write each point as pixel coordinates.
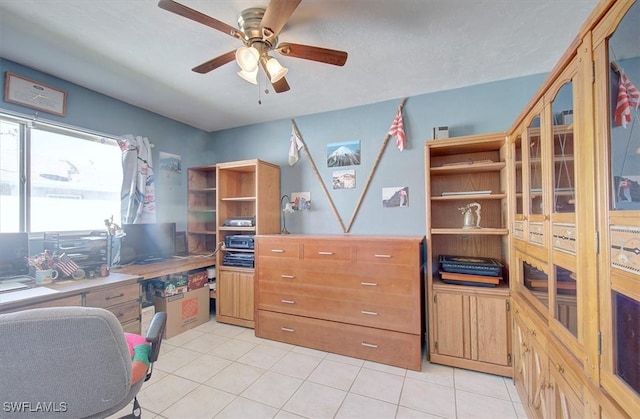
(33, 94)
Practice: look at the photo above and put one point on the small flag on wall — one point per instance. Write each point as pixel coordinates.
(397, 130)
(295, 145)
(628, 98)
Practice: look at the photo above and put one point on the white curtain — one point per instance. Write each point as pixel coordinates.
(138, 195)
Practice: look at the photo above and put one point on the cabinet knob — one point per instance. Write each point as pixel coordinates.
(277, 251)
(287, 301)
(287, 276)
(382, 256)
(369, 313)
(533, 333)
(560, 369)
(325, 253)
(287, 329)
(369, 284)
(369, 345)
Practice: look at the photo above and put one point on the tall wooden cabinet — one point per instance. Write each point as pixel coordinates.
(575, 274)
(468, 325)
(248, 190)
(201, 202)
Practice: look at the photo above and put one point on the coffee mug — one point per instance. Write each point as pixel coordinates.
(45, 276)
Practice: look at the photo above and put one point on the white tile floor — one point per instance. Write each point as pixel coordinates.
(223, 371)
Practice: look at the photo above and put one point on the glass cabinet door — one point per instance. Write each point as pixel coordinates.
(535, 167)
(519, 175)
(563, 162)
(618, 78)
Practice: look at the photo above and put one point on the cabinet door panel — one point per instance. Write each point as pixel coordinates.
(226, 294)
(539, 387)
(450, 324)
(490, 330)
(235, 294)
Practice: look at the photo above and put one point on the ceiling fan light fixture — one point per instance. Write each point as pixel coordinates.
(275, 69)
(247, 58)
(250, 76)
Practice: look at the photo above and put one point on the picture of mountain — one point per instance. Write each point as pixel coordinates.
(343, 154)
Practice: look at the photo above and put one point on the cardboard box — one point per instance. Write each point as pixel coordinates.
(147, 315)
(184, 311)
(170, 285)
(197, 279)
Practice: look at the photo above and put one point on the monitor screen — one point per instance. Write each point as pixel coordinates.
(14, 251)
(148, 242)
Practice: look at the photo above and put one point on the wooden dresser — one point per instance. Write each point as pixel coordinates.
(360, 296)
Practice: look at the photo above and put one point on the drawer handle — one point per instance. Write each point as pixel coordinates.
(325, 253)
(277, 251)
(119, 315)
(287, 329)
(287, 301)
(287, 276)
(369, 284)
(114, 296)
(369, 345)
(369, 313)
(382, 256)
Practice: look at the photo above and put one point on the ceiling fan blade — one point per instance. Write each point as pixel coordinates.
(214, 63)
(195, 15)
(277, 14)
(308, 52)
(281, 86)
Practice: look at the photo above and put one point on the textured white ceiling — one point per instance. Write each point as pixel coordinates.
(138, 53)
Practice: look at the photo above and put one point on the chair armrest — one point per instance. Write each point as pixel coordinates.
(154, 334)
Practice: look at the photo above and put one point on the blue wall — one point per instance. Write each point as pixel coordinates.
(476, 109)
(471, 110)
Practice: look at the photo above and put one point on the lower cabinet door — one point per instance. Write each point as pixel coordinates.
(490, 331)
(451, 324)
(473, 327)
(235, 294)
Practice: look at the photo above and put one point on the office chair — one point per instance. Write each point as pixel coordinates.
(72, 362)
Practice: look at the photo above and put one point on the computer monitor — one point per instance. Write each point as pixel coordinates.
(14, 251)
(145, 243)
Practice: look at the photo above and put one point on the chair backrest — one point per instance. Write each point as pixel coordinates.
(67, 361)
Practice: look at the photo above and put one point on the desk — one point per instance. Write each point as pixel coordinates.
(168, 267)
(118, 293)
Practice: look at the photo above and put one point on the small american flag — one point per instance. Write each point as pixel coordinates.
(66, 265)
(397, 130)
(628, 98)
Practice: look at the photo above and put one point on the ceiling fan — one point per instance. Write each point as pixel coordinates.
(258, 30)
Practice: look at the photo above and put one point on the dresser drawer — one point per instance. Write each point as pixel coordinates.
(402, 317)
(390, 253)
(393, 348)
(327, 251)
(112, 296)
(126, 312)
(400, 280)
(278, 248)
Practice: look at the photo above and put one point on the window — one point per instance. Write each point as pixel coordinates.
(73, 181)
